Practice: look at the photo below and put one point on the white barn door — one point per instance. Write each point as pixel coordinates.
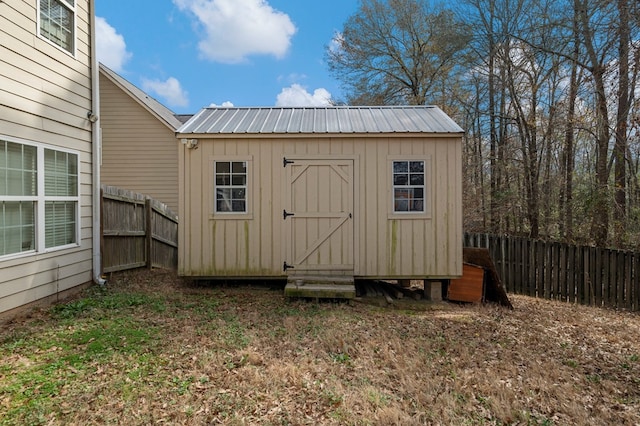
(318, 216)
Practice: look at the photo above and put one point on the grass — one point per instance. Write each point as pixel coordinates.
(150, 348)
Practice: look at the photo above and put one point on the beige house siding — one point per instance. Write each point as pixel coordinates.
(384, 244)
(139, 152)
(45, 95)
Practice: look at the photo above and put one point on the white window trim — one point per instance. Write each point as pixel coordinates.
(41, 200)
(75, 28)
(213, 214)
(426, 214)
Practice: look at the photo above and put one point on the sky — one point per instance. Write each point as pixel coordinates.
(190, 54)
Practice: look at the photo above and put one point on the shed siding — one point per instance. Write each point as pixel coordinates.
(139, 152)
(45, 95)
(385, 245)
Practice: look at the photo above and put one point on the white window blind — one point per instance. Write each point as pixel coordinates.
(18, 180)
(57, 22)
(27, 193)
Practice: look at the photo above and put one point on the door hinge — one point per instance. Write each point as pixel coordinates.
(285, 214)
(285, 266)
(285, 162)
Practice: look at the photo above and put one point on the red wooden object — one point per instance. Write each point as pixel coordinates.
(469, 288)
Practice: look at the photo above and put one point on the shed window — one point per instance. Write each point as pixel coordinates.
(38, 198)
(231, 186)
(57, 22)
(408, 186)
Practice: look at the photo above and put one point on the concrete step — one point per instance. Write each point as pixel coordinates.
(321, 287)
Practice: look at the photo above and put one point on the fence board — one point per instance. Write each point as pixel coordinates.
(636, 283)
(586, 278)
(604, 277)
(596, 265)
(531, 279)
(576, 274)
(571, 273)
(620, 280)
(627, 280)
(524, 263)
(511, 278)
(580, 295)
(136, 231)
(548, 266)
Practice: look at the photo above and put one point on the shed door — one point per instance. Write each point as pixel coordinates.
(318, 216)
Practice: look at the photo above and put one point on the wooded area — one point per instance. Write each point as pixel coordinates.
(137, 231)
(545, 89)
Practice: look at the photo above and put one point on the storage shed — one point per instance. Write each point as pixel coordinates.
(320, 196)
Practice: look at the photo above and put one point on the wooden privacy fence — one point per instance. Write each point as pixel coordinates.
(137, 231)
(550, 270)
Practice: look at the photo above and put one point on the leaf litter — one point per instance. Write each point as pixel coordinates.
(243, 354)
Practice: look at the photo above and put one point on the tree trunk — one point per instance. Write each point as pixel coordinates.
(568, 154)
(600, 213)
(600, 217)
(620, 148)
(493, 140)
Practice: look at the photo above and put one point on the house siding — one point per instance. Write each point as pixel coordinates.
(385, 245)
(139, 151)
(45, 95)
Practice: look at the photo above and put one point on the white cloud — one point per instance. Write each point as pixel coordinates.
(170, 90)
(297, 96)
(235, 29)
(110, 46)
(225, 104)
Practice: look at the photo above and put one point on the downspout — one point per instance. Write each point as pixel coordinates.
(96, 150)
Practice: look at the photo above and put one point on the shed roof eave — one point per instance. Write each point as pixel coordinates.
(273, 135)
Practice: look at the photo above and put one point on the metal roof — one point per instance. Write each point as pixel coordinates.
(153, 106)
(320, 120)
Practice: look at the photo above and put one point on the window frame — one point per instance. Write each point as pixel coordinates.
(41, 200)
(248, 213)
(426, 212)
(72, 8)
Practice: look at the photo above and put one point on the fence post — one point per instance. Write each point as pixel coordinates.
(148, 231)
(101, 232)
(635, 286)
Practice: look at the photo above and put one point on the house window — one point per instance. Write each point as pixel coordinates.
(231, 186)
(408, 186)
(57, 22)
(38, 198)
(60, 189)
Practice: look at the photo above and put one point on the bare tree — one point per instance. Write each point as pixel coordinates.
(545, 89)
(568, 152)
(396, 51)
(602, 26)
(622, 117)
